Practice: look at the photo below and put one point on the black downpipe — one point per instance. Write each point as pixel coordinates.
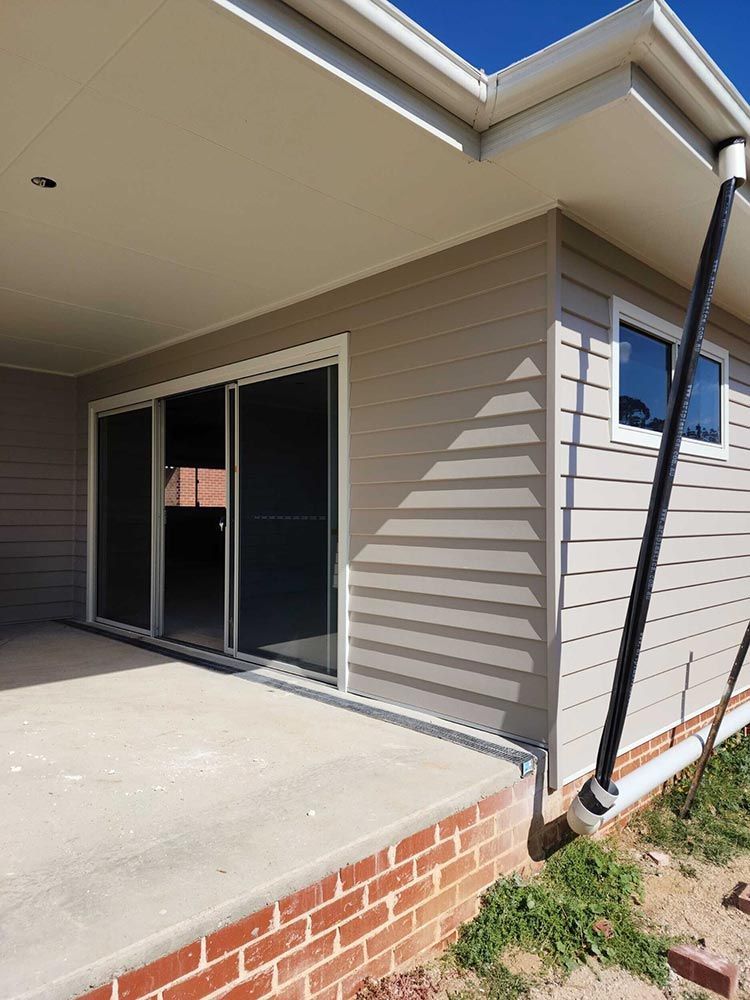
(597, 796)
(669, 451)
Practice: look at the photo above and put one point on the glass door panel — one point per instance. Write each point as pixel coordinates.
(288, 518)
(195, 517)
(124, 506)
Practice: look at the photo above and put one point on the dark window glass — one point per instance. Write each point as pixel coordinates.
(645, 375)
(287, 601)
(195, 517)
(124, 518)
(704, 413)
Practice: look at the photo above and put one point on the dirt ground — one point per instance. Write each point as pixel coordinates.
(684, 901)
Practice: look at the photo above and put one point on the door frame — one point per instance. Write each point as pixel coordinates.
(334, 350)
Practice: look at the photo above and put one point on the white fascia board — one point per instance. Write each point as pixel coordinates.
(310, 41)
(557, 111)
(650, 35)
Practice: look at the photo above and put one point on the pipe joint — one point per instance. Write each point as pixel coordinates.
(732, 160)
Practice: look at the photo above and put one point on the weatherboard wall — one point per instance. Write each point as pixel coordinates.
(37, 492)
(447, 470)
(701, 600)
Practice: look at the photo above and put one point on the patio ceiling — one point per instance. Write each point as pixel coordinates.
(214, 163)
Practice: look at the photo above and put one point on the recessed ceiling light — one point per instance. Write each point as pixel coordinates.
(44, 182)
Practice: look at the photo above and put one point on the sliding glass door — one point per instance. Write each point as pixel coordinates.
(287, 519)
(124, 506)
(234, 489)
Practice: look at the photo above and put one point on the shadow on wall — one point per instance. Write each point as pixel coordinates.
(447, 557)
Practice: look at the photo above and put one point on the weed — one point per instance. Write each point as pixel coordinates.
(502, 984)
(718, 827)
(582, 904)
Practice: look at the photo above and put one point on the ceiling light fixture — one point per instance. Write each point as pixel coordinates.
(44, 182)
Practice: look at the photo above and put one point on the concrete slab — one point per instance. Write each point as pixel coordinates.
(147, 800)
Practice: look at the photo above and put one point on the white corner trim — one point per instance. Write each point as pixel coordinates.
(648, 322)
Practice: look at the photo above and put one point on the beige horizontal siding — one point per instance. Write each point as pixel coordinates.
(701, 599)
(447, 470)
(37, 489)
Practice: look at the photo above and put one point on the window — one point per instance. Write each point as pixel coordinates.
(644, 354)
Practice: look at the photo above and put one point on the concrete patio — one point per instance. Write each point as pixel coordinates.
(147, 801)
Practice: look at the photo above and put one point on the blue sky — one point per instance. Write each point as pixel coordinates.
(494, 33)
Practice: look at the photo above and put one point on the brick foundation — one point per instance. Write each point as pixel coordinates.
(367, 919)
(382, 913)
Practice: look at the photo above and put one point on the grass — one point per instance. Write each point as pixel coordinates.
(584, 904)
(718, 828)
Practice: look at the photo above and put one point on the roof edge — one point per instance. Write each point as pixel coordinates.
(388, 37)
(645, 32)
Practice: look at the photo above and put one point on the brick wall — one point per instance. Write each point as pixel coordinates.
(184, 486)
(384, 912)
(374, 916)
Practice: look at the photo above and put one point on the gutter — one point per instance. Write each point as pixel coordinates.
(389, 38)
(646, 32)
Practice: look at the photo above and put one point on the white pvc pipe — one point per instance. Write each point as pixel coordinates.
(653, 774)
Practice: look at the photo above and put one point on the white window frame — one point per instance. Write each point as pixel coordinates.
(649, 323)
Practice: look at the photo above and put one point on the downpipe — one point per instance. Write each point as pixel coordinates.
(648, 777)
(598, 798)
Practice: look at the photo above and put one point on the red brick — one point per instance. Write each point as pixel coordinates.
(330, 993)
(476, 882)
(741, 897)
(235, 935)
(415, 844)
(415, 893)
(390, 881)
(294, 991)
(492, 849)
(340, 909)
(100, 993)
(515, 858)
(267, 948)
(437, 855)
(414, 945)
(710, 971)
(257, 986)
(336, 969)
(303, 958)
(307, 899)
(458, 821)
(395, 931)
(364, 870)
(207, 981)
(494, 804)
(453, 920)
(375, 969)
(457, 869)
(436, 907)
(477, 834)
(364, 924)
(141, 982)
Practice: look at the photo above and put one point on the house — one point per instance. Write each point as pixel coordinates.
(326, 356)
